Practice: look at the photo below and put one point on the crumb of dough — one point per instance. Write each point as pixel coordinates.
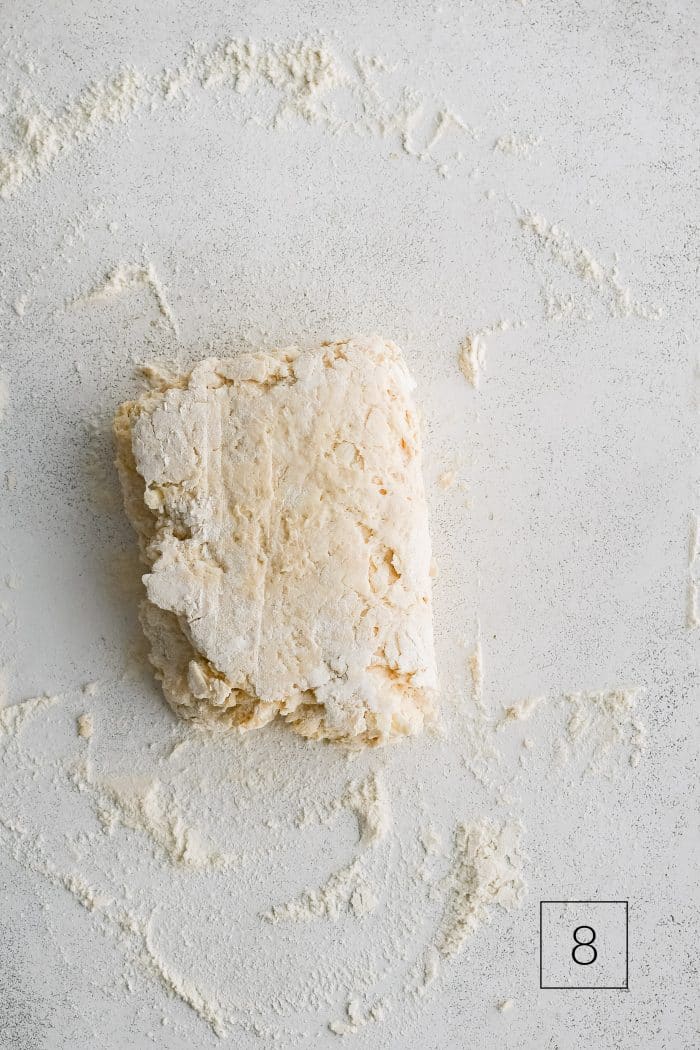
(476, 671)
(471, 358)
(90, 688)
(505, 1005)
(279, 503)
(86, 726)
(472, 350)
(520, 712)
(446, 479)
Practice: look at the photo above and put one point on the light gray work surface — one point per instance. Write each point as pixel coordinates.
(564, 539)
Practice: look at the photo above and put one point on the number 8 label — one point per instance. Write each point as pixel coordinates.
(582, 943)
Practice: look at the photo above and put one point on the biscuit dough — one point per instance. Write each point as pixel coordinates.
(279, 503)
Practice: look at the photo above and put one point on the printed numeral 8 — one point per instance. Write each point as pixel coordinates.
(581, 943)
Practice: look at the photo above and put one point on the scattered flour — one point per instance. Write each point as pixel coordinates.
(431, 840)
(595, 729)
(476, 671)
(520, 712)
(471, 357)
(4, 397)
(477, 730)
(560, 306)
(694, 539)
(115, 918)
(348, 888)
(43, 137)
(446, 121)
(472, 351)
(203, 1004)
(486, 863)
(369, 801)
(125, 278)
(563, 249)
(517, 145)
(14, 716)
(356, 1019)
(303, 74)
(692, 614)
(597, 723)
(144, 804)
(487, 866)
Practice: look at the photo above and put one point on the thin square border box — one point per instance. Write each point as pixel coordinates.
(590, 987)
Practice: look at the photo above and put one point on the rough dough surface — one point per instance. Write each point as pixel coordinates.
(279, 503)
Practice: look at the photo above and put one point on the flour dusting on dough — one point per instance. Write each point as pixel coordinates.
(316, 609)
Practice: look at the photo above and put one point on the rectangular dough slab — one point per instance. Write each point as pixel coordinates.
(279, 503)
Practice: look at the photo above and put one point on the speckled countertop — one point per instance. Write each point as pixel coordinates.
(518, 180)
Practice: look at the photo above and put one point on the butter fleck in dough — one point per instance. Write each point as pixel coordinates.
(279, 502)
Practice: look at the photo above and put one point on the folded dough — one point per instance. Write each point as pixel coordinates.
(279, 503)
